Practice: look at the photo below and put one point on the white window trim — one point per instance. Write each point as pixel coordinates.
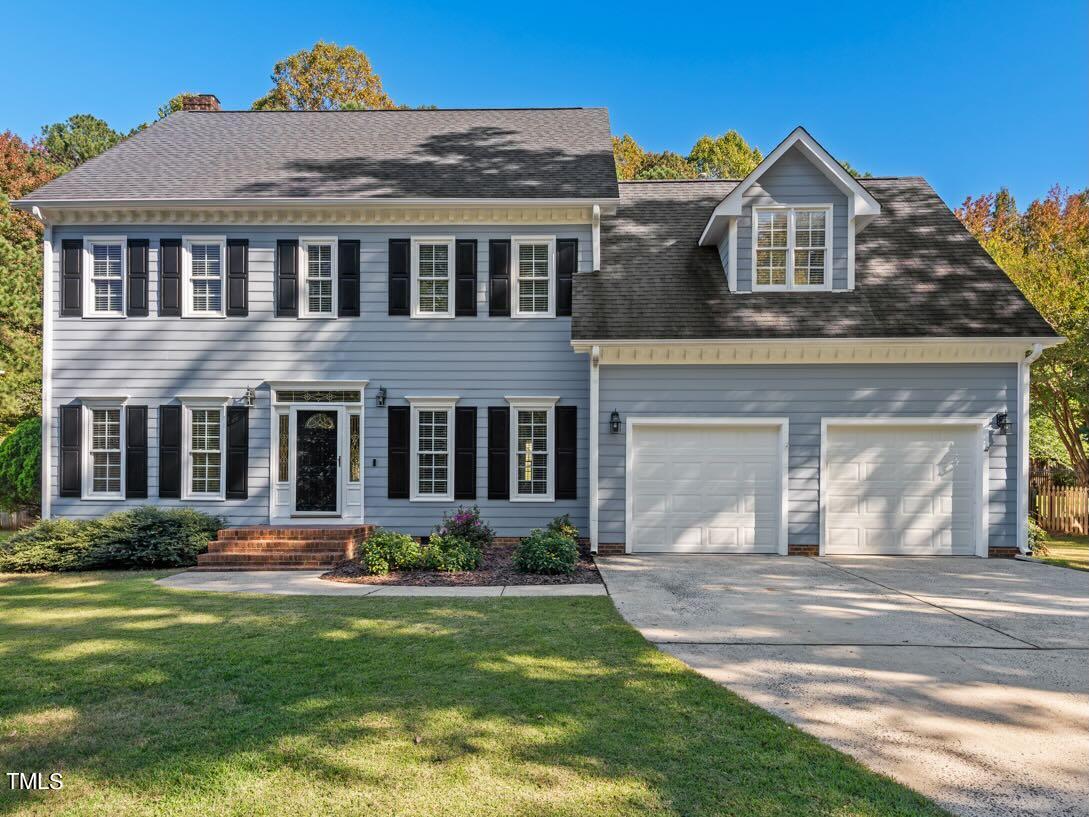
(533, 403)
(89, 310)
(89, 405)
(415, 294)
(792, 210)
(304, 269)
(187, 275)
(431, 403)
(516, 242)
(201, 402)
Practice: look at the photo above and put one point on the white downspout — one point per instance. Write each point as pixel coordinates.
(47, 363)
(1023, 445)
(595, 422)
(596, 236)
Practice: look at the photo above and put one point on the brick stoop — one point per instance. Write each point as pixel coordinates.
(265, 547)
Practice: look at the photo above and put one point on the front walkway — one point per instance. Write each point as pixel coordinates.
(309, 583)
(966, 679)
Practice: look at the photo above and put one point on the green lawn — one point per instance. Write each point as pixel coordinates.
(153, 701)
(1067, 550)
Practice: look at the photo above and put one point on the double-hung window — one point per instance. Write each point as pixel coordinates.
(534, 277)
(533, 441)
(792, 247)
(104, 431)
(205, 430)
(432, 277)
(432, 448)
(204, 265)
(105, 265)
(319, 274)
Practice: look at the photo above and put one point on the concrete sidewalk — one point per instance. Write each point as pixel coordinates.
(309, 583)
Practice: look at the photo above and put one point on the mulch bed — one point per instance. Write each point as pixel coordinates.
(497, 569)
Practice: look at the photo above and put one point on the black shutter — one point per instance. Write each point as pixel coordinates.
(71, 278)
(170, 290)
(465, 277)
(238, 275)
(287, 278)
(499, 278)
(348, 279)
(170, 463)
(499, 452)
(398, 451)
(137, 278)
(567, 259)
(71, 458)
(399, 286)
(238, 452)
(136, 452)
(567, 432)
(465, 452)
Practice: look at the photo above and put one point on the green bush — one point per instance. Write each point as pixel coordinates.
(138, 538)
(1037, 538)
(546, 551)
(20, 467)
(451, 554)
(465, 523)
(562, 525)
(386, 550)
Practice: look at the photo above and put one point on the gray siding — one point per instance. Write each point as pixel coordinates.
(804, 394)
(792, 180)
(481, 359)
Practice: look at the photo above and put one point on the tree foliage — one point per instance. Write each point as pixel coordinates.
(77, 139)
(327, 77)
(724, 157)
(1045, 252)
(20, 467)
(174, 104)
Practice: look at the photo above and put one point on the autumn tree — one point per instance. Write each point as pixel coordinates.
(666, 165)
(328, 77)
(724, 157)
(1045, 252)
(81, 137)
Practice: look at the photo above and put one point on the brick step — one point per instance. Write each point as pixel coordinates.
(299, 545)
(261, 566)
(264, 532)
(272, 556)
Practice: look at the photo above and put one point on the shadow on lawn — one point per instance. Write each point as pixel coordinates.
(547, 706)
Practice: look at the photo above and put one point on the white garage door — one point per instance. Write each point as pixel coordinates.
(901, 489)
(704, 489)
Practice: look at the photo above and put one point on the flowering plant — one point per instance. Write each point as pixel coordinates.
(465, 523)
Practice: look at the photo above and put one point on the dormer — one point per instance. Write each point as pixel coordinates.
(790, 225)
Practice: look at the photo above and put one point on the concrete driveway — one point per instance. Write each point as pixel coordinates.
(966, 679)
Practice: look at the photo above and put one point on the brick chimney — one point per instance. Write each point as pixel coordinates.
(200, 102)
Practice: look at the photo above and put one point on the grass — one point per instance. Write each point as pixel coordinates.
(153, 701)
(1067, 550)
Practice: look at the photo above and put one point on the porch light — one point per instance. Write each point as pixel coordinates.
(1001, 423)
(249, 399)
(614, 422)
(380, 398)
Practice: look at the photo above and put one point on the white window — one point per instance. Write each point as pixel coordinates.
(433, 277)
(432, 448)
(792, 247)
(532, 441)
(205, 430)
(104, 440)
(204, 264)
(104, 260)
(533, 277)
(318, 272)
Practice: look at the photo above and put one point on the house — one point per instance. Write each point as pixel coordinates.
(370, 317)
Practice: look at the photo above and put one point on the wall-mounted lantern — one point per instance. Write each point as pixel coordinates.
(380, 398)
(1001, 423)
(614, 422)
(249, 399)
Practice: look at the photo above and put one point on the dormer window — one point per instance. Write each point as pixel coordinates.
(792, 247)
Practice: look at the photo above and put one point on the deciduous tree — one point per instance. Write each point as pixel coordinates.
(727, 156)
(327, 77)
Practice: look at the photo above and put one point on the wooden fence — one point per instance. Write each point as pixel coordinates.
(14, 521)
(1063, 510)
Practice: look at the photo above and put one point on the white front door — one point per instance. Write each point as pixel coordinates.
(704, 488)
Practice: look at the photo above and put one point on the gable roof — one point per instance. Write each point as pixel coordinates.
(919, 274)
(537, 154)
(860, 204)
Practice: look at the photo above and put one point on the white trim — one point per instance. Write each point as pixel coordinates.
(792, 211)
(202, 403)
(595, 237)
(595, 426)
(516, 243)
(533, 403)
(305, 242)
(47, 371)
(340, 409)
(451, 261)
(731, 256)
(1022, 430)
(89, 406)
(187, 275)
(316, 385)
(89, 241)
(851, 229)
(980, 511)
(433, 403)
(782, 423)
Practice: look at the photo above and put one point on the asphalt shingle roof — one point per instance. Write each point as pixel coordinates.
(918, 273)
(492, 153)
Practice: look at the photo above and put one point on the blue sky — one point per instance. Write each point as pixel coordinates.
(971, 95)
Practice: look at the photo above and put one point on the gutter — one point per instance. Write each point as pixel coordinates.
(606, 205)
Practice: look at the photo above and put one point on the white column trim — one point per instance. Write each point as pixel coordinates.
(1023, 407)
(47, 371)
(595, 422)
(595, 232)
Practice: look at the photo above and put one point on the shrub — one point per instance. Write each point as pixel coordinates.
(546, 551)
(20, 467)
(562, 525)
(386, 550)
(51, 544)
(451, 554)
(1037, 538)
(465, 523)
